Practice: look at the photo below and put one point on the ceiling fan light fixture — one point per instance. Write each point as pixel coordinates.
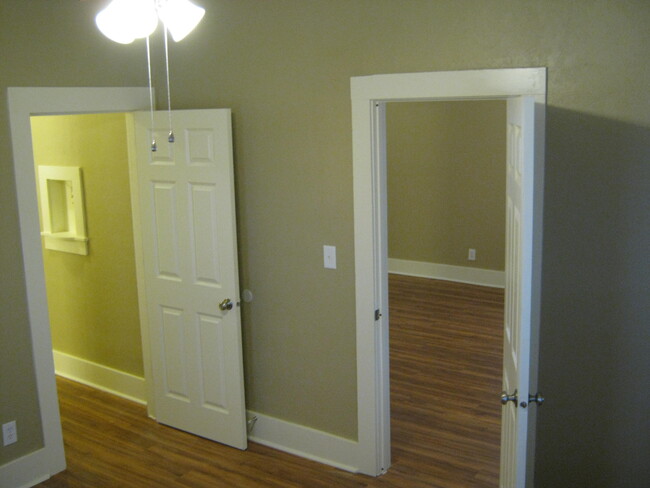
(180, 17)
(123, 21)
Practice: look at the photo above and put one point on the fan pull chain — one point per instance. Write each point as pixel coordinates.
(170, 138)
(154, 146)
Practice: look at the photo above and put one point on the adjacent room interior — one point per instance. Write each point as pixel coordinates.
(446, 247)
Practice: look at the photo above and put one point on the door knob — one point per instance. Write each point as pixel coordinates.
(226, 304)
(505, 398)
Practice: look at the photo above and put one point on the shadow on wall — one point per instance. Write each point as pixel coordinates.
(594, 429)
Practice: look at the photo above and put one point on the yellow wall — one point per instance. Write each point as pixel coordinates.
(93, 301)
(284, 67)
(446, 182)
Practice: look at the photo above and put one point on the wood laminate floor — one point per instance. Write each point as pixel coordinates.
(446, 341)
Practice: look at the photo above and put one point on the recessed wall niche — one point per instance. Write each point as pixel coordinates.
(62, 209)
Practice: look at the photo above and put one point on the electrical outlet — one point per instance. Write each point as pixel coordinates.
(9, 433)
(471, 255)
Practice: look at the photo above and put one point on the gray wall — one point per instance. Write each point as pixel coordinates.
(447, 182)
(284, 68)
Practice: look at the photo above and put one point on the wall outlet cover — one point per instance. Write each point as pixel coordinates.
(9, 433)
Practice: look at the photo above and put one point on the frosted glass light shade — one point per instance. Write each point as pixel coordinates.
(124, 21)
(180, 17)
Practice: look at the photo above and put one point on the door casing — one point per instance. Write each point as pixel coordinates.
(369, 95)
(23, 103)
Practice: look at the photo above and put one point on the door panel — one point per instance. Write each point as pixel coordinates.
(165, 230)
(190, 265)
(518, 298)
(175, 379)
(206, 262)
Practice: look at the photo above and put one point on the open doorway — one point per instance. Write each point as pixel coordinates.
(525, 93)
(446, 174)
(199, 141)
(93, 297)
(23, 104)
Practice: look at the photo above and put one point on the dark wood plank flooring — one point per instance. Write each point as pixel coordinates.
(446, 359)
(446, 341)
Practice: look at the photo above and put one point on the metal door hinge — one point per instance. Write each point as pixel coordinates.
(377, 314)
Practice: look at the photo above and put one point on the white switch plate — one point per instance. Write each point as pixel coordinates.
(471, 255)
(329, 257)
(9, 433)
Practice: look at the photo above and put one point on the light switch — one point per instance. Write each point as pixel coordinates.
(329, 257)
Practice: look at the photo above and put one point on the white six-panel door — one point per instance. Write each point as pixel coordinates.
(186, 193)
(517, 313)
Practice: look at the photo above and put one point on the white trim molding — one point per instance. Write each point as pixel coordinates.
(447, 272)
(102, 377)
(304, 442)
(25, 471)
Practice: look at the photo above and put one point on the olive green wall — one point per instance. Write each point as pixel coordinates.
(446, 182)
(92, 300)
(284, 67)
(18, 395)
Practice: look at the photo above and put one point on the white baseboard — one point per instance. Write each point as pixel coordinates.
(304, 442)
(101, 377)
(25, 471)
(461, 274)
(285, 436)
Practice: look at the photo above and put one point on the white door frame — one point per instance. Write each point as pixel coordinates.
(23, 103)
(369, 96)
